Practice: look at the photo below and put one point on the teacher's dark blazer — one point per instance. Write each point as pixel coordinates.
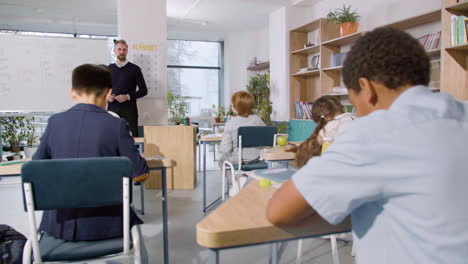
(85, 131)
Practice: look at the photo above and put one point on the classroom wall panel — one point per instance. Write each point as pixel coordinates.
(35, 72)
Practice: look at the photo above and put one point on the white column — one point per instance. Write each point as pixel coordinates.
(142, 23)
(279, 65)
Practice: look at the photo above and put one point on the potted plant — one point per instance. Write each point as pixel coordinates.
(13, 134)
(230, 113)
(219, 113)
(30, 137)
(177, 108)
(259, 86)
(347, 19)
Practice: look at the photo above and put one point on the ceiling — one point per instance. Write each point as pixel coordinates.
(99, 17)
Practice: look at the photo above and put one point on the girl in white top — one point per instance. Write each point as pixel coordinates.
(242, 103)
(327, 112)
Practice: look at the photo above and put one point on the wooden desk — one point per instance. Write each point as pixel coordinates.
(208, 139)
(241, 222)
(279, 153)
(153, 164)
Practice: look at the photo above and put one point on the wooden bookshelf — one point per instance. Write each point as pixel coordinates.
(307, 73)
(333, 69)
(342, 41)
(417, 20)
(454, 74)
(307, 51)
(459, 47)
(259, 67)
(459, 9)
(433, 53)
(308, 86)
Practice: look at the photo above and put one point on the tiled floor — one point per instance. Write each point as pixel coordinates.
(185, 211)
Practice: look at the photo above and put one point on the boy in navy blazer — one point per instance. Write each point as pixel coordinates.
(83, 131)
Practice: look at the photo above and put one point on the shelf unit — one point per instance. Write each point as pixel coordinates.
(310, 85)
(454, 77)
(419, 20)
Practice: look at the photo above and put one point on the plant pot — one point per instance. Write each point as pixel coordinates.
(217, 119)
(348, 28)
(15, 149)
(29, 151)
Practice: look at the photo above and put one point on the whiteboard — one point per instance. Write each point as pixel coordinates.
(35, 72)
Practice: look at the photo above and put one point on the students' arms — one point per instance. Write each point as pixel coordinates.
(226, 143)
(128, 149)
(287, 206)
(142, 89)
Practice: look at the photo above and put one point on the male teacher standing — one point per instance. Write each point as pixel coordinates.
(126, 76)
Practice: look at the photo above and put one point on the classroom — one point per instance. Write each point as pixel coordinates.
(252, 131)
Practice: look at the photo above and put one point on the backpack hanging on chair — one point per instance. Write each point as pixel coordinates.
(11, 245)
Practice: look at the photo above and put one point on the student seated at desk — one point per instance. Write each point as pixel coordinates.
(242, 103)
(399, 170)
(328, 114)
(83, 131)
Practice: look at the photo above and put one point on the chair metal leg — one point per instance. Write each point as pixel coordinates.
(336, 259)
(164, 213)
(213, 256)
(136, 239)
(142, 197)
(27, 252)
(204, 176)
(223, 183)
(299, 252)
(273, 259)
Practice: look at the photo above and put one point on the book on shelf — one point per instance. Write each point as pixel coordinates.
(430, 41)
(434, 83)
(303, 110)
(458, 27)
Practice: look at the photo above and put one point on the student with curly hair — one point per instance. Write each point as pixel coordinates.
(399, 170)
(328, 114)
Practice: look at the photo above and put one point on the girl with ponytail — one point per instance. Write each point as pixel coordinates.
(328, 114)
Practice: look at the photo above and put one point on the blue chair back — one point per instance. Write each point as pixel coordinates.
(76, 183)
(257, 136)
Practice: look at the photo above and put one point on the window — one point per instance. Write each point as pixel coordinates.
(195, 72)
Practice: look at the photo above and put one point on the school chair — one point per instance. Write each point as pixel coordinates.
(248, 137)
(79, 183)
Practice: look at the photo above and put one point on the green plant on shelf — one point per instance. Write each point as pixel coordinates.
(218, 111)
(342, 15)
(259, 86)
(177, 107)
(15, 131)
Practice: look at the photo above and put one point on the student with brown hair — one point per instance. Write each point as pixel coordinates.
(242, 103)
(327, 113)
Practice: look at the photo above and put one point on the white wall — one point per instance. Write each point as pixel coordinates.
(240, 48)
(373, 14)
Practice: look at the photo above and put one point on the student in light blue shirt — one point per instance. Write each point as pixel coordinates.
(400, 169)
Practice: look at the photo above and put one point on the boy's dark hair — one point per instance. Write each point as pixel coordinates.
(91, 79)
(388, 56)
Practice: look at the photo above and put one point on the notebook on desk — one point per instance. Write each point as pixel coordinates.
(276, 175)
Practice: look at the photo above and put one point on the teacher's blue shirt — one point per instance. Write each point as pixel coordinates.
(402, 174)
